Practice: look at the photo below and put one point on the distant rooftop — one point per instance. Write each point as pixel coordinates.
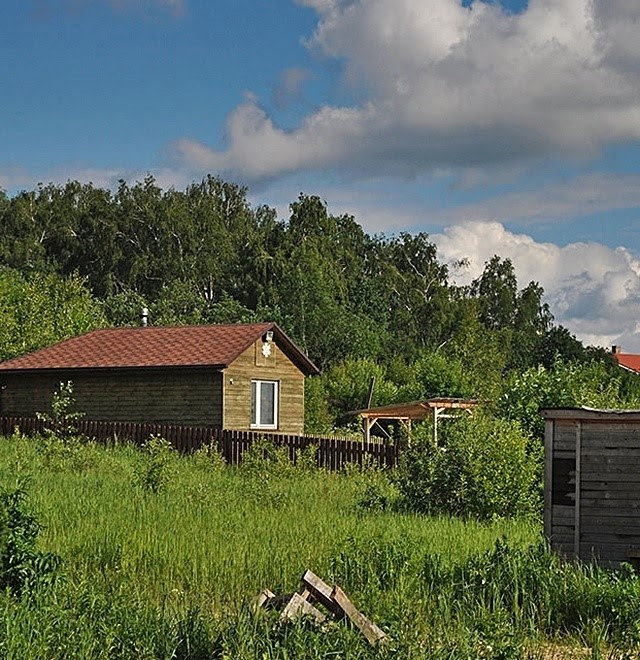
(629, 361)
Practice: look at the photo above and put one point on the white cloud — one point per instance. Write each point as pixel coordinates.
(451, 86)
(567, 198)
(591, 289)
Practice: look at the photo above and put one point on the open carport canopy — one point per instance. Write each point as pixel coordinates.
(436, 408)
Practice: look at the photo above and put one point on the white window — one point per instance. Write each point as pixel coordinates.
(264, 404)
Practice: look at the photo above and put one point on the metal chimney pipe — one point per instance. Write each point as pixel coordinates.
(144, 317)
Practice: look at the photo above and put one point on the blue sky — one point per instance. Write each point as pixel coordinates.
(509, 128)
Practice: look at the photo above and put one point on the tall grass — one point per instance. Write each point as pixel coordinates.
(172, 573)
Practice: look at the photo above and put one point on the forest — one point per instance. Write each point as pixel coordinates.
(75, 257)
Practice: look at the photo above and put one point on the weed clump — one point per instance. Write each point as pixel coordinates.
(155, 469)
(22, 566)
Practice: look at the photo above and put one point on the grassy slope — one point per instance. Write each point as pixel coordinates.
(171, 574)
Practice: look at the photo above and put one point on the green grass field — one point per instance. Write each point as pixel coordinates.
(172, 573)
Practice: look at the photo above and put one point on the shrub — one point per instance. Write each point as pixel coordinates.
(487, 468)
(265, 459)
(60, 422)
(208, 457)
(22, 567)
(155, 469)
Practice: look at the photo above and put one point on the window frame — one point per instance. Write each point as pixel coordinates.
(256, 403)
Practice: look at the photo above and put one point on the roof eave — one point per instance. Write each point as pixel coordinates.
(103, 369)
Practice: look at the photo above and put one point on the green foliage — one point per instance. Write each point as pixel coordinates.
(62, 446)
(264, 459)
(568, 384)
(22, 566)
(40, 309)
(346, 386)
(376, 491)
(155, 468)
(497, 291)
(60, 422)
(486, 468)
(318, 419)
(439, 375)
(209, 457)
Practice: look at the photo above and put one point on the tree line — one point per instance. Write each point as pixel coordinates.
(77, 256)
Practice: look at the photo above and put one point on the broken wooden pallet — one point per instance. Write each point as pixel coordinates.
(315, 590)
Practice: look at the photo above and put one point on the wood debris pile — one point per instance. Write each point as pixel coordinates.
(316, 592)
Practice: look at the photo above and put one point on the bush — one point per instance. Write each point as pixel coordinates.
(22, 567)
(486, 468)
(155, 469)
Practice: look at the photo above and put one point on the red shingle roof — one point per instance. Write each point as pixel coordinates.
(188, 346)
(628, 361)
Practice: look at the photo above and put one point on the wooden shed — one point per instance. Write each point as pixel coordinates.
(240, 376)
(592, 483)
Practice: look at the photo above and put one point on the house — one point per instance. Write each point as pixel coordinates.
(628, 361)
(241, 376)
(592, 483)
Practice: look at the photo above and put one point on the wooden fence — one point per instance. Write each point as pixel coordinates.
(331, 453)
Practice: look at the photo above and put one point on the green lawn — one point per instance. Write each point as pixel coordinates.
(172, 573)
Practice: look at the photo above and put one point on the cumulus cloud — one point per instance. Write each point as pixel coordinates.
(451, 86)
(591, 289)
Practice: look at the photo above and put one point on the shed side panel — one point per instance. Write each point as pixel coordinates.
(610, 491)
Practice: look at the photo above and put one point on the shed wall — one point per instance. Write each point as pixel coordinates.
(609, 491)
(600, 519)
(252, 364)
(175, 396)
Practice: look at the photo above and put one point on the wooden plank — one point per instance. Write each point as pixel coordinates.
(598, 537)
(371, 632)
(319, 589)
(611, 486)
(601, 503)
(578, 490)
(564, 519)
(298, 607)
(564, 454)
(548, 476)
(612, 452)
(611, 476)
(612, 513)
(611, 460)
(263, 599)
(600, 534)
(606, 441)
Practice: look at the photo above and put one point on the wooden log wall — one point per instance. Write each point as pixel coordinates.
(592, 485)
(609, 517)
(331, 453)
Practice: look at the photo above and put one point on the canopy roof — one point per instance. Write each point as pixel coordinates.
(416, 410)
